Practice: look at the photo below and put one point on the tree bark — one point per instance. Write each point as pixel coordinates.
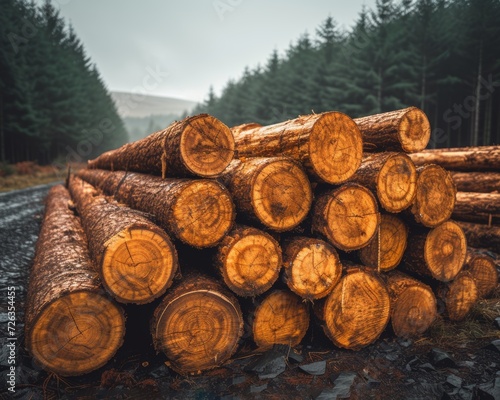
(71, 326)
(413, 305)
(459, 296)
(198, 212)
(405, 130)
(197, 325)
(480, 182)
(196, 146)
(249, 261)
(481, 158)
(477, 207)
(329, 145)
(135, 258)
(311, 267)
(479, 235)
(392, 176)
(273, 191)
(484, 271)
(348, 216)
(280, 318)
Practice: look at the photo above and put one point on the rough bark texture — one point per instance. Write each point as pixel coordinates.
(196, 146)
(311, 267)
(386, 250)
(405, 130)
(477, 207)
(348, 216)
(135, 258)
(459, 296)
(197, 325)
(281, 318)
(484, 271)
(249, 261)
(274, 191)
(481, 182)
(438, 253)
(357, 311)
(413, 305)
(479, 235)
(482, 158)
(71, 327)
(435, 196)
(392, 176)
(329, 144)
(198, 212)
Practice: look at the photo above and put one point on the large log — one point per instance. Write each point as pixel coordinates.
(196, 146)
(249, 261)
(413, 305)
(198, 212)
(484, 271)
(328, 144)
(477, 207)
(197, 325)
(481, 182)
(392, 176)
(71, 326)
(405, 130)
(438, 253)
(273, 191)
(482, 158)
(347, 216)
(135, 258)
(479, 235)
(311, 267)
(280, 318)
(459, 296)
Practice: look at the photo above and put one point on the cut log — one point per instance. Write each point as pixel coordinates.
(312, 267)
(281, 318)
(484, 271)
(328, 144)
(482, 158)
(405, 130)
(413, 305)
(273, 191)
(197, 325)
(357, 311)
(392, 176)
(386, 250)
(438, 253)
(196, 146)
(136, 259)
(477, 207)
(459, 296)
(435, 197)
(348, 216)
(71, 326)
(198, 212)
(479, 235)
(249, 261)
(481, 182)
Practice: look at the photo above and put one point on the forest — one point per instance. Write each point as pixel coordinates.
(440, 55)
(54, 106)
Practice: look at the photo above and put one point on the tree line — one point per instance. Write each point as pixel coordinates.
(54, 106)
(440, 55)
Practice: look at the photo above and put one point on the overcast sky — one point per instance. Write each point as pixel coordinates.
(179, 48)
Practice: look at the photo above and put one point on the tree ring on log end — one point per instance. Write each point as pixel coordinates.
(414, 130)
(462, 294)
(484, 271)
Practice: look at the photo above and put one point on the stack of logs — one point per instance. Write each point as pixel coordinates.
(320, 218)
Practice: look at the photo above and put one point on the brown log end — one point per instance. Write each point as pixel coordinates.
(484, 271)
(281, 318)
(414, 130)
(460, 296)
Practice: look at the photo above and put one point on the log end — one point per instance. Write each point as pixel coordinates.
(414, 130)
(484, 271)
(461, 296)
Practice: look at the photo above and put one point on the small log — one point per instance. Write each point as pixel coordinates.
(459, 296)
(198, 212)
(357, 311)
(71, 326)
(311, 267)
(481, 158)
(405, 130)
(392, 176)
(197, 325)
(280, 318)
(435, 196)
(438, 253)
(347, 216)
(273, 191)
(477, 207)
(329, 145)
(386, 250)
(480, 235)
(480, 182)
(484, 271)
(249, 261)
(135, 258)
(413, 305)
(196, 146)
